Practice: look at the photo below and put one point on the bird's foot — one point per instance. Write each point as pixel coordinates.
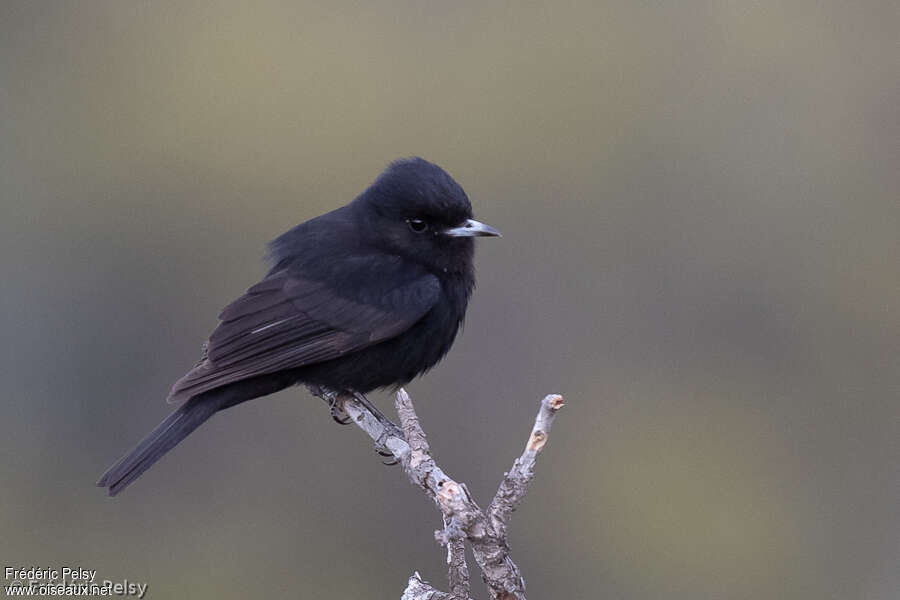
(334, 401)
(339, 416)
(336, 408)
(390, 429)
(361, 398)
(381, 447)
(383, 451)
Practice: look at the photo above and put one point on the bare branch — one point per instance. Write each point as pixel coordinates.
(416, 589)
(515, 482)
(464, 521)
(490, 549)
(458, 570)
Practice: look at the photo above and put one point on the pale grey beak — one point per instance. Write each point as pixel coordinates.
(472, 228)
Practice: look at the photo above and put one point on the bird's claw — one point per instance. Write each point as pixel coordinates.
(383, 451)
(381, 448)
(336, 408)
(339, 420)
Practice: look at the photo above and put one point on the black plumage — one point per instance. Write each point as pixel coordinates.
(367, 296)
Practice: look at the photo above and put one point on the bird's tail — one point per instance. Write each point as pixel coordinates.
(166, 436)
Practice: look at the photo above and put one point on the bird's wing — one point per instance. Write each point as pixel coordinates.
(286, 321)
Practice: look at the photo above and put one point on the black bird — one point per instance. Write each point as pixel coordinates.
(367, 296)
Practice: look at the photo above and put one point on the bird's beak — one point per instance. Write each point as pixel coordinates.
(472, 228)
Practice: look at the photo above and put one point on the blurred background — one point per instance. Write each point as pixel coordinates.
(699, 203)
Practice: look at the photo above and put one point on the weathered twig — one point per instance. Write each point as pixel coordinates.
(458, 570)
(417, 589)
(515, 483)
(463, 519)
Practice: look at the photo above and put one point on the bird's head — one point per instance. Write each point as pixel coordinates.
(416, 210)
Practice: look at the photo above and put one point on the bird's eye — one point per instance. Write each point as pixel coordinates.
(417, 225)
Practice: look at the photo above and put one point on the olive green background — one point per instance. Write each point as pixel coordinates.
(699, 203)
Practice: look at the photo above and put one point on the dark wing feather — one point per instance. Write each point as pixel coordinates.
(286, 321)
